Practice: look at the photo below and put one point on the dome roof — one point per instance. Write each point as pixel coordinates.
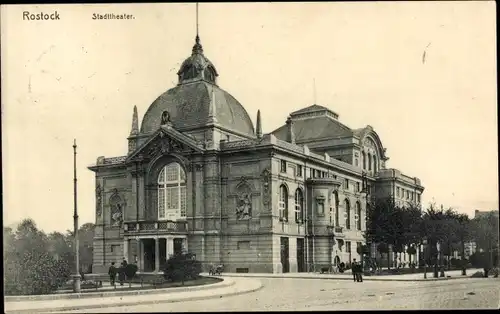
(196, 104)
(197, 101)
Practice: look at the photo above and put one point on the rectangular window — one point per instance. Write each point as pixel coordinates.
(161, 202)
(172, 197)
(358, 187)
(115, 248)
(243, 245)
(299, 170)
(356, 162)
(346, 184)
(348, 246)
(398, 192)
(418, 198)
(321, 208)
(283, 166)
(183, 201)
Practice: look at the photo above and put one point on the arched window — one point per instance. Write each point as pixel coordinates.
(299, 206)
(347, 215)
(369, 162)
(364, 160)
(172, 192)
(283, 203)
(357, 216)
(374, 163)
(336, 204)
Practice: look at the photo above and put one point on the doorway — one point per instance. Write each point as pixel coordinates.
(300, 255)
(284, 254)
(149, 254)
(178, 245)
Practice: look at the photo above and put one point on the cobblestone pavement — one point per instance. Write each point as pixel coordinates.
(313, 294)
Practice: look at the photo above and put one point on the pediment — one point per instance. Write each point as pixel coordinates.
(166, 141)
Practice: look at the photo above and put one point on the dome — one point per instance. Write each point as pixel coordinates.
(189, 106)
(197, 101)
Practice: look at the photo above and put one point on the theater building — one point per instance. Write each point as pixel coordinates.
(200, 177)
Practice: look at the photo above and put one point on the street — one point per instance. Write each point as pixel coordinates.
(285, 294)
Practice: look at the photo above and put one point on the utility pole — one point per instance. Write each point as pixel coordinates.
(76, 276)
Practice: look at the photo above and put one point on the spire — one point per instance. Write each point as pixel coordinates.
(197, 48)
(135, 123)
(212, 112)
(290, 135)
(259, 125)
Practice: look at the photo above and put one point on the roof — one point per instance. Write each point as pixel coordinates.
(315, 127)
(189, 106)
(312, 108)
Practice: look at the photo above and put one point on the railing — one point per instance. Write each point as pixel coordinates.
(174, 226)
(338, 229)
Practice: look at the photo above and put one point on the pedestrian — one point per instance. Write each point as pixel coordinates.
(354, 269)
(121, 274)
(359, 272)
(112, 273)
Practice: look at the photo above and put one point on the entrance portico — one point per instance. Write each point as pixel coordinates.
(153, 250)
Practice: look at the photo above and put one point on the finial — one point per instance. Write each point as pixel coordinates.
(259, 125)
(74, 143)
(135, 123)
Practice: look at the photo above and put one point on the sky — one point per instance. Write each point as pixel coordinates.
(422, 74)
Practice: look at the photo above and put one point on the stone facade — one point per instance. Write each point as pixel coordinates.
(198, 177)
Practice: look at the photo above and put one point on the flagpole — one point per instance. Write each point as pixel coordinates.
(76, 276)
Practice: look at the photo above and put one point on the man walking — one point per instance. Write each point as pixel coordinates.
(112, 273)
(354, 270)
(359, 272)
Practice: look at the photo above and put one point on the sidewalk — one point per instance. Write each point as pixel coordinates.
(238, 286)
(454, 274)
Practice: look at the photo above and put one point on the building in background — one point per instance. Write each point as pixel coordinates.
(199, 176)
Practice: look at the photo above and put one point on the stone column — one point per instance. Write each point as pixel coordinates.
(292, 255)
(170, 246)
(125, 249)
(186, 244)
(157, 254)
(140, 254)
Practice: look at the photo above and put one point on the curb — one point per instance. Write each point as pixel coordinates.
(223, 284)
(182, 299)
(365, 278)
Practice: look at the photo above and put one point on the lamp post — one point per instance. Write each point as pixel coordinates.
(76, 276)
(425, 251)
(331, 240)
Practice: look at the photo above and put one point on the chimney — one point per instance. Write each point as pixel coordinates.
(290, 136)
(259, 126)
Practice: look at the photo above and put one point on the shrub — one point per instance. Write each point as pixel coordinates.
(130, 271)
(181, 267)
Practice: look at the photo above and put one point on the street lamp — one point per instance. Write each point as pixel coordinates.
(441, 274)
(425, 251)
(76, 276)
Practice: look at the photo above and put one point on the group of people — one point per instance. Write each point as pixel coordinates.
(120, 271)
(357, 271)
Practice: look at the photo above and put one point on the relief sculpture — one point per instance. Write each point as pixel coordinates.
(116, 205)
(98, 197)
(266, 186)
(244, 206)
